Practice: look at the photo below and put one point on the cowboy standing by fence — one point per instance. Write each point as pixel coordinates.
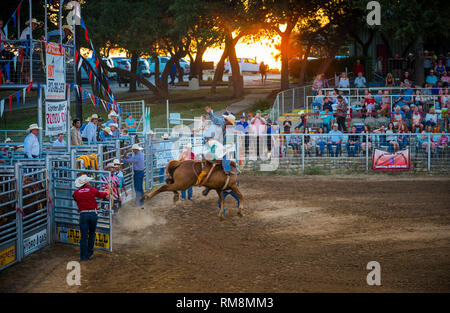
(31, 143)
(85, 197)
(138, 165)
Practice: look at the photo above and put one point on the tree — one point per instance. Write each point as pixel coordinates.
(423, 21)
(281, 17)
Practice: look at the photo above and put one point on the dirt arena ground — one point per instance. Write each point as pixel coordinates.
(300, 234)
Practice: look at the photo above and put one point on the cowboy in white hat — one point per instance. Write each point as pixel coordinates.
(105, 134)
(89, 133)
(31, 144)
(85, 197)
(114, 130)
(68, 35)
(139, 166)
(26, 31)
(113, 118)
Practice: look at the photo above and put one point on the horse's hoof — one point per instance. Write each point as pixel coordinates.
(142, 208)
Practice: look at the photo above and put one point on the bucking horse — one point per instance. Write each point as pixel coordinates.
(183, 174)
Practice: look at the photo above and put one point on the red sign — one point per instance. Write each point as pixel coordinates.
(387, 161)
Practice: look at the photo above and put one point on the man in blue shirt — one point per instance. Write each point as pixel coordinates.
(335, 138)
(242, 126)
(89, 133)
(105, 134)
(113, 118)
(60, 142)
(31, 143)
(360, 81)
(431, 78)
(138, 165)
(115, 133)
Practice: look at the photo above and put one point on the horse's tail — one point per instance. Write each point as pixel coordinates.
(170, 168)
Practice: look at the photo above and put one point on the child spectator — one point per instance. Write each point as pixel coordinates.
(431, 119)
(416, 120)
(343, 81)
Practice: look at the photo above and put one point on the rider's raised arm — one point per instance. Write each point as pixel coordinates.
(217, 121)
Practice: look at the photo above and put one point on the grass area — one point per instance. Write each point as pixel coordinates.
(190, 103)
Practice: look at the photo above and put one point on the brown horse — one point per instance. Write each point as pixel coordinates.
(183, 174)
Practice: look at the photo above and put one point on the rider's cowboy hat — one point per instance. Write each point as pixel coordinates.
(114, 125)
(230, 118)
(33, 126)
(165, 136)
(82, 180)
(93, 116)
(8, 140)
(107, 130)
(136, 147)
(33, 20)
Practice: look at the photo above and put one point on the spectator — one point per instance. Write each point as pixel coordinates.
(321, 141)
(445, 79)
(398, 117)
(187, 154)
(426, 139)
(258, 125)
(60, 142)
(335, 138)
(324, 81)
(269, 132)
(442, 143)
(306, 141)
(402, 138)
(106, 134)
(113, 118)
(327, 117)
(89, 133)
(263, 72)
(287, 125)
(358, 68)
(294, 140)
(318, 100)
(341, 113)
(344, 81)
(402, 102)
(378, 98)
(391, 138)
(130, 123)
(114, 130)
(369, 139)
(368, 105)
(173, 74)
(381, 139)
(31, 143)
(431, 78)
(405, 77)
(416, 120)
(431, 119)
(390, 81)
(302, 119)
(440, 69)
(353, 140)
(360, 81)
(317, 84)
(75, 134)
(26, 31)
(385, 104)
(242, 127)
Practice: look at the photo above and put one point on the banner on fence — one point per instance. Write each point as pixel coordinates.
(387, 161)
(71, 235)
(7, 256)
(55, 72)
(55, 117)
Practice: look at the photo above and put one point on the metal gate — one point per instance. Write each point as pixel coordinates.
(65, 211)
(24, 216)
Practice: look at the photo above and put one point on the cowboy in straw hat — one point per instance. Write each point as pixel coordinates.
(138, 165)
(105, 134)
(26, 32)
(89, 133)
(31, 143)
(114, 129)
(85, 197)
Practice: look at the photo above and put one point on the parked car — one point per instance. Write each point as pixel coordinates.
(245, 65)
(145, 67)
(185, 65)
